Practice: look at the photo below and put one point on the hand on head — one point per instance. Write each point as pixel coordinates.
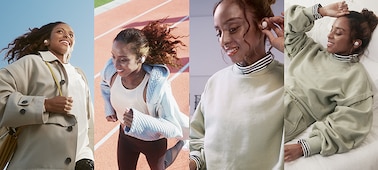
(335, 9)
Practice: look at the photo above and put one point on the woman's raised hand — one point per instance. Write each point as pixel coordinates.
(276, 24)
(335, 9)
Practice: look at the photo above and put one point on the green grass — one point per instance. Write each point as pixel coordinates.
(98, 3)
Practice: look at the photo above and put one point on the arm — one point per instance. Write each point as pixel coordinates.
(299, 21)
(342, 130)
(23, 96)
(197, 135)
(106, 76)
(17, 109)
(168, 123)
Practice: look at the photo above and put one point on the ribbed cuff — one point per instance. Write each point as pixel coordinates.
(315, 11)
(197, 160)
(305, 147)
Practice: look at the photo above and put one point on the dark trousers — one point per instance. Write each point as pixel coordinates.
(129, 149)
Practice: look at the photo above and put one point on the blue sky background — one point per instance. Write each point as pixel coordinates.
(17, 16)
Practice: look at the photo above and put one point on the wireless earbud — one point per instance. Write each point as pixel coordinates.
(142, 59)
(264, 24)
(356, 43)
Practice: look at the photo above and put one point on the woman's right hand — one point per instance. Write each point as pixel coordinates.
(59, 104)
(111, 118)
(192, 164)
(335, 9)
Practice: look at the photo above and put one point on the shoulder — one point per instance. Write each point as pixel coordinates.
(158, 73)
(108, 71)
(25, 62)
(158, 69)
(220, 75)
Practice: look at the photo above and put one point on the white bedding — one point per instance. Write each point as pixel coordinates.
(364, 157)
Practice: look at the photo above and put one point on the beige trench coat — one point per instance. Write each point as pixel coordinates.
(47, 140)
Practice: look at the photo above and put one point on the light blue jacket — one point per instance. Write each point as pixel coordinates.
(165, 119)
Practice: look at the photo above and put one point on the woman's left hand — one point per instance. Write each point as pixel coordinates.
(292, 152)
(128, 117)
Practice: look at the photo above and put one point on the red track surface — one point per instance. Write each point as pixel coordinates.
(136, 13)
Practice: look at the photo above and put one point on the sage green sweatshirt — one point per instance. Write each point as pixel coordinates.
(334, 95)
(239, 121)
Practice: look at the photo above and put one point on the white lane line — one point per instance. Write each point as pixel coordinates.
(132, 19)
(179, 22)
(106, 137)
(179, 72)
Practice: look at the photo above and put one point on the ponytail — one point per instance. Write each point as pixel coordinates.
(162, 44)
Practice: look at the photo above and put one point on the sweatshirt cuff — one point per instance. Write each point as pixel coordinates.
(315, 145)
(315, 11)
(196, 157)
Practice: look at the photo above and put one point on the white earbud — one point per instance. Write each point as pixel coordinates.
(142, 59)
(45, 42)
(264, 24)
(356, 43)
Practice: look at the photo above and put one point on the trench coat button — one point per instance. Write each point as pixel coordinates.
(22, 111)
(62, 82)
(24, 102)
(69, 128)
(68, 160)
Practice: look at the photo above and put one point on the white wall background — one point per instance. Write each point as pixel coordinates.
(206, 56)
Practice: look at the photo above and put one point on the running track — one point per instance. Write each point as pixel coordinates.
(136, 13)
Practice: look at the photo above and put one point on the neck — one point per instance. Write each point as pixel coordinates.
(63, 58)
(249, 60)
(133, 79)
(257, 52)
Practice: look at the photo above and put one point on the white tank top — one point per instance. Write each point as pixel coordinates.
(122, 98)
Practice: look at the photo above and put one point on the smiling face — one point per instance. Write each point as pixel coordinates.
(62, 40)
(124, 59)
(339, 38)
(239, 37)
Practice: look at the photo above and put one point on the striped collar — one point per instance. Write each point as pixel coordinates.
(257, 66)
(353, 58)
